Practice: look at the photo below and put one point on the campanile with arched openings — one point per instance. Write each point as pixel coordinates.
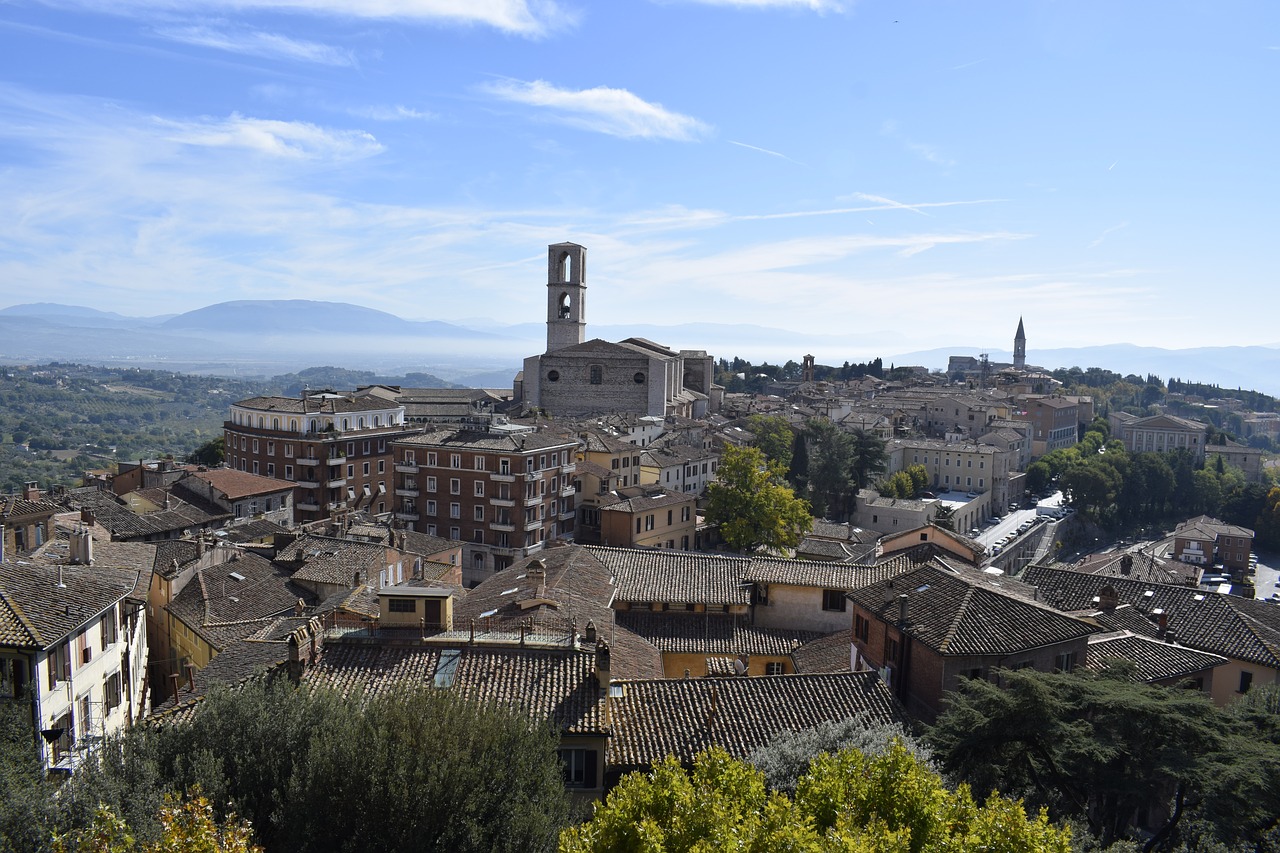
(566, 295)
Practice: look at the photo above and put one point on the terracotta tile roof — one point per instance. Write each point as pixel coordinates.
(223, 608)
(335, 403)
(556, 685)
(1139, 567)
(682, 717)
(955, 615)
(832, 653)
(711, 633)
(184, 514)
(826, 575)
(241, 484)
(46, 598)
(15, 506)
(643, 503)
(325, 559)
(1239, 628)
(1155, 660)
(675, 577)
(495, 442)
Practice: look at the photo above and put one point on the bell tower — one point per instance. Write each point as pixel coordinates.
(1020, 347)
(566, 295)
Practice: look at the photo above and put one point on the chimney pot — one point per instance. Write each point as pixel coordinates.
(902, 608)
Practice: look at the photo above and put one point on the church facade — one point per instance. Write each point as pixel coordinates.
(579, 377)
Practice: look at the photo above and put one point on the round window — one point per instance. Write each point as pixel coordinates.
(639, 378)
(553, 376)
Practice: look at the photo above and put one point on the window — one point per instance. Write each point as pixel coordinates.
(382, 466)
(255, 445)
(455, 486)
(108, 628)
(59, 664)
(365, 470)
(271, 469)
(455, 510)
(431, 507)
(479, 537)
(455, 533)
(684, 513)
(1246, 681)
(288, 472)
(111, 693)
(431, 484)
(480, 463)
(834, 600)
(84, 648)
(596, 374)
(479, 488)
(431, 460)
(861, 627)
(1064, 662)
(271, 448)
(579, 767)
(366, 445)
(478, 513)
(402, 605)
(455, 460)
(648, 522)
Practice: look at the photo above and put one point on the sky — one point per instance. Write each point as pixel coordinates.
(910, 175)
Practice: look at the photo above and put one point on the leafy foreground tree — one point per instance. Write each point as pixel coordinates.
(846, 802)
(1102, 749)
(421, 770)
(786, 758)
(27, 807)
(187, 826)
(752, 504)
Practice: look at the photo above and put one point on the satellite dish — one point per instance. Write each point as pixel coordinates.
(739, 668)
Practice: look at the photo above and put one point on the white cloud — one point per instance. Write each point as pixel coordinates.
(386, 112)
(291, 139)
(258, 43)
(813, 5)
(1106, 233)
(764, 151)
(523, 17)
(616, 112)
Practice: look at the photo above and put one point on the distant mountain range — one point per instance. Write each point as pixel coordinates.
(269, 337)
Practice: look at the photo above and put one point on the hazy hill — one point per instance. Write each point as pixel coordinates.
(284, 317)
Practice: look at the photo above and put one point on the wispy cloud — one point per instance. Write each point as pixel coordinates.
(890, 203)
(615, 112)
(964, 65)
(384, 112)
(765, 151)
(812, 5)
(889, 128)
(521, 17)
(1109, 231)
(258, 43)
(292, 139)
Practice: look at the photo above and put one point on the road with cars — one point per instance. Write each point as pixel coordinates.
(1008, 528)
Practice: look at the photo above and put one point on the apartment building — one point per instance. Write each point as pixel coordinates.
(505, 491)
(335, 448)
(1055, 423)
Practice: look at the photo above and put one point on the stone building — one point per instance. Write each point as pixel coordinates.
(576, 376)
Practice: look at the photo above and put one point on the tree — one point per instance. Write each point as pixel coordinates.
(26, 797)
(774, 437)
(1038, 476)
(1102, 748)
(944, 517)
(188, 825)
(919, 478)
(869, 457)
(210, 454)
(830, 467)
(846, 802)
(753, 506)
(787, 757)
(418, 769)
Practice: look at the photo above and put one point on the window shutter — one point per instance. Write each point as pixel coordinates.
(591, 757)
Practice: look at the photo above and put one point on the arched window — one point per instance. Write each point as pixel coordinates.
(293, 424)
(275, 423)
(566, 307)
(377, 420)
(566, 267)
(362, 423)
(260, 421)
(312, 426)
(346, 423)
(597, 374)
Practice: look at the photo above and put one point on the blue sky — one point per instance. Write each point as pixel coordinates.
(911, 174)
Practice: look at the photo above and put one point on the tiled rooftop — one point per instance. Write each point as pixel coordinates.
(1154, 660)
(682, 717)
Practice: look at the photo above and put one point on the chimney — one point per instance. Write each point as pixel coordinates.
(1126, 564)
(200, 545)
(590, 634)
(355, 580)
(31, 491)
(175, 678)
(902, 609)
(295, 659)
(603, 666)
(1162, 621)
(86, 516)
(191, 677)
(298, 607)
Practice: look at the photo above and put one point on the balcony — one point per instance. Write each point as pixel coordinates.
(307, 482)
(340, 459)
(533, 501)
(308, 506)
(567, 491)
(569, 469)
(530, 526)
(501, 551)
(502, 526)
(406, 516)
(406, 468)
(407, 493)
(332, 505)
(307, 460)
(506, 502)
(502, 478)
(568, 515)
(336, 483)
